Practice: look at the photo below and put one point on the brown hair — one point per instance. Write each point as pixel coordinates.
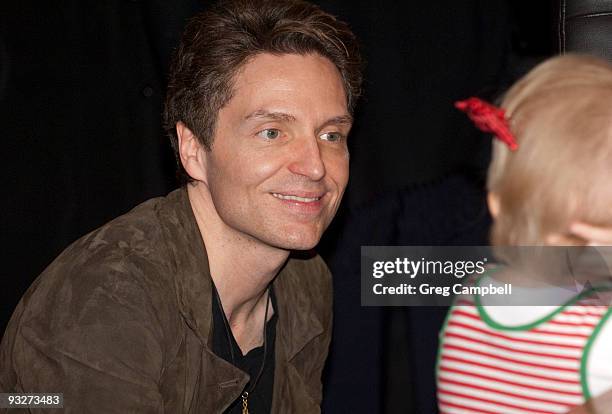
(561, 116)
(219, 41)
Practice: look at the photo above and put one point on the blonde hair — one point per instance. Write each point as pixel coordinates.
(561, 116)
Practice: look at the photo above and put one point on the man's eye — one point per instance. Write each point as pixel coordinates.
(332, 136)
(269, 133)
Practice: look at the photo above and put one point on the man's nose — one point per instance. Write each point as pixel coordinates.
(307, 160)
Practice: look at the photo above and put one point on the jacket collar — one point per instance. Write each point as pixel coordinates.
(297, 322)
(192, 281)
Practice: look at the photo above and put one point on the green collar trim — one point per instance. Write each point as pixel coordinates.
(586, 353)
(525, 327)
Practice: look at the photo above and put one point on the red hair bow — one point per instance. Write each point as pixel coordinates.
(488, 118)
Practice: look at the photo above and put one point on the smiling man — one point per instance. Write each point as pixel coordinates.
(198, 302)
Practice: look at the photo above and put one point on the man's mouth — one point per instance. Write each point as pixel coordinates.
(296, 198)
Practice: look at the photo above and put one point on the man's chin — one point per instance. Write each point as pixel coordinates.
(297, 246)
(297, 241)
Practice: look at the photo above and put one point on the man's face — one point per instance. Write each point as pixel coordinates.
(279, 160)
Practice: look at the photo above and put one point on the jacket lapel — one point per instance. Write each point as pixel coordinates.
(297, 325)
(221, 386)
(192, 280)
(218, 383)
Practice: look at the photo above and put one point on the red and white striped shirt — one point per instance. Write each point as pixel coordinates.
(484, 367)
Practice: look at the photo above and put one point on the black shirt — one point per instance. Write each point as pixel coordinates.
(260, 397)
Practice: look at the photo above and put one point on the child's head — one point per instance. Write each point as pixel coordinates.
(561, 116)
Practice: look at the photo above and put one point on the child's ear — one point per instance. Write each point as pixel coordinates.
(493, 202)
(564, 239)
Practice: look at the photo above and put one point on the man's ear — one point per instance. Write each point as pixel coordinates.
(191, 152)
(493, 202)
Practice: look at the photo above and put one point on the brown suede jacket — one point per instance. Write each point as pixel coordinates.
(121, 322)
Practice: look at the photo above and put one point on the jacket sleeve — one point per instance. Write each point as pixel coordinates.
(94, 338)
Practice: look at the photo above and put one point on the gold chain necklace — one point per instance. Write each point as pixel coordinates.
(245, 394)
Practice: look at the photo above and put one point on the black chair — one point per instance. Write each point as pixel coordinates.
(585, 26)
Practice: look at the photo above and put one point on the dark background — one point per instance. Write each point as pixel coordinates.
(81, 91)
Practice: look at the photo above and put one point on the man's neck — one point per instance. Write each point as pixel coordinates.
(241, 267)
